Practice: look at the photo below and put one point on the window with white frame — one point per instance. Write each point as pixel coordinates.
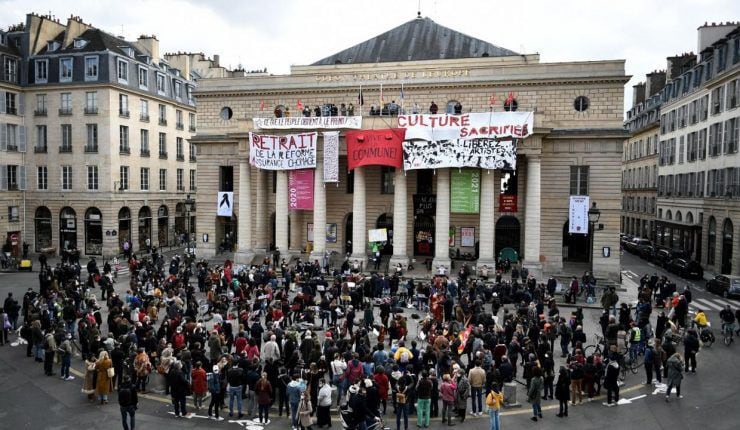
(192, 180)
(41, 104)
(123, 105)
(92, 178)
(66, 178)
(66, 145)
(191, 121)
(163, 144)
(65, 69)
(65, 103)
(123, 178)
(92, 138)
(143, 78)
(41, 138)
(193, 150)
(11, 103)
(11, 70)
(178, 90)
(161, 84)
(122, 67)
(91, 102)
(144, 179)
(123, 145)
(162, 179)
(144, 107)
(11, 137)
(178, 119)
(91, 68)
(42, 71)
(180, 148)
(42, 178)
(579, 180)
(163, 114)
(180, 186)
(144, 142)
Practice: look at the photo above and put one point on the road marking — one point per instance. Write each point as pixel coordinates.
(628, 401)
(705, 303)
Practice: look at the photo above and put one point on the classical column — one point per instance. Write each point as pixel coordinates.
(261, 215)
(244, 252)
(487, 229)
(400, 221)
(359, 225)
(319, 213)
(281, 213)
(295, 245)
(442, 222)
(532, 217)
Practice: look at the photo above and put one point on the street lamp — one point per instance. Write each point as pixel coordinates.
(189, 206)
(593, 217)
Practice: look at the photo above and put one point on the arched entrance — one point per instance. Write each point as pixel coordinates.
(180, 228)
(163, 220)
(508, 234)
(386, 221)
(226, 229)
(424, 235)
(93, 231)
(727, 235)
(145, 228)
(575, 246)
(67, 229)
(348, 234)
(124, 227)
(42, 227)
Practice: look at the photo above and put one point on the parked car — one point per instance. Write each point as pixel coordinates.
(624, 238)
(634, 244)
(725, 286)
(662, 257)
(646, 252)
(686, 268)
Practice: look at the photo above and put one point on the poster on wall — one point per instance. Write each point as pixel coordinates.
(287, 152)
(302, 122)
(467, 236)
(486, 139)
(331, 156)
(425, 204)
(507, 203)
(300, 189)
(225, 203)
(465, 191)
(331, 232)
(375, 148)
(452, 236)
(578, 215)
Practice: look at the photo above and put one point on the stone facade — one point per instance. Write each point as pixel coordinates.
(565, 140)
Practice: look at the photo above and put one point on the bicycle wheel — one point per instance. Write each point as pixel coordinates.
(590, 350)
(727, 339)
(636, 364)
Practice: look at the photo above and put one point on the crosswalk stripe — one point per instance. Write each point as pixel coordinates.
(705, 303)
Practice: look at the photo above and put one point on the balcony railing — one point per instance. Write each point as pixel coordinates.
(91, 111)
(40, 149)
(162, 121)
(180, 126)
(65, 149)
(192, 128)
(144, 153)
(124, 150)
(91, 149)
(193, 158)
(180, 157)
(124, 113)
(39, 112)
(65, 111)
(144, 117)
(163, 155)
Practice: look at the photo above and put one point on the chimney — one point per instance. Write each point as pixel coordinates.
(654, 83)
(638, 94)
(678, 64)
(708, 34)
(150, 45)
(75, 28)
(216, 60)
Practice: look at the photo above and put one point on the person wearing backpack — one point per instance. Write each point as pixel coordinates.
(216, 388)
(128, 400)
(494, 400)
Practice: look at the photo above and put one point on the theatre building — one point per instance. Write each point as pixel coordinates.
(423, 144)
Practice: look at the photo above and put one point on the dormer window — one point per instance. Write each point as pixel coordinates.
(122, 71)
(129, 51)
(52, 46)
(80, 43)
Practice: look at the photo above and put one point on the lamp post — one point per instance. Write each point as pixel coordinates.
(189, 206)
(593, 217)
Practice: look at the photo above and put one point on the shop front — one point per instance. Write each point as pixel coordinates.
(67, 230)
(42, 228)
(93, 232)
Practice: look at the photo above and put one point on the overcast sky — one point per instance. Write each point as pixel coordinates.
(278, 33)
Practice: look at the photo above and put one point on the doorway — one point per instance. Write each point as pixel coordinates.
(576, 246)
(508, 234)
(424, 235)
(727, 235)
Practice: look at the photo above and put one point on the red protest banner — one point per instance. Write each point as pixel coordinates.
(507, 203)
(375, 148)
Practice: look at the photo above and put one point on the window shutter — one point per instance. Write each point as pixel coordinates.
(3, 137)
(22, 178)
(3, 177)
(22, 138)
(21, 104)
(2, 101)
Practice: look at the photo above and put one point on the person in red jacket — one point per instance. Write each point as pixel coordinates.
(199, 385)
(381, 379)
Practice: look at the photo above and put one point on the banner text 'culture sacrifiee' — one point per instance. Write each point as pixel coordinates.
(287, 152)
(483, 140)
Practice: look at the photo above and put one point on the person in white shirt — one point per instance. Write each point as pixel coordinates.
(323, 417)
(270, 350)
(338, 367)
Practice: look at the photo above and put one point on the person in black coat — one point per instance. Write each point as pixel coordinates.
(611, 384)
(562, 391)
(179, 388)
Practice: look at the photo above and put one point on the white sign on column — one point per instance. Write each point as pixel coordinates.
(578, 215)
(225, 203)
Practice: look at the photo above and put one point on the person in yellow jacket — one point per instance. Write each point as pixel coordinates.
(701, 319)
(403, 356)
(494, 401)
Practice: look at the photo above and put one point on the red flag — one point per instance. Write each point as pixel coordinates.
(262, 104)
(299, 105)
(510, 98)
(463, 336)
(492, 100)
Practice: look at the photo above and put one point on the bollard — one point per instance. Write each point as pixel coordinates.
(510, 396)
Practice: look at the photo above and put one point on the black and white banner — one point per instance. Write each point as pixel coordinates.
(331, 156)
(287, 152)
(225, 203)
(482, 153)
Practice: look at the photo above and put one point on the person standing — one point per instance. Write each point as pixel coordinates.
(562, 391)
(477, 378)
(50, 348)
(103, 382)
(494, 400)
(263, 392)
(674, 368)
(323, 417)
(690, 349)
(534, 393)
(447, 392)
(65, 350)
(128, 400)
(462, 394)
(235, 379)
(199, 384)
(295, 391)
(651, 358)
(611, 383)
(402, 409)
(423, 400)
(216, 388)
(179, 387)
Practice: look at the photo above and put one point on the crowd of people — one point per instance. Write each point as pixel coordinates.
(299, 338)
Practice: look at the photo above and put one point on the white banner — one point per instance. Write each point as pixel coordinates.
(287, 152)
(225, 203)
(468, 236)
(578, 215)
(304, 122)
(331, 156)
(483, 153)
(468, 126)
(377, 235)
